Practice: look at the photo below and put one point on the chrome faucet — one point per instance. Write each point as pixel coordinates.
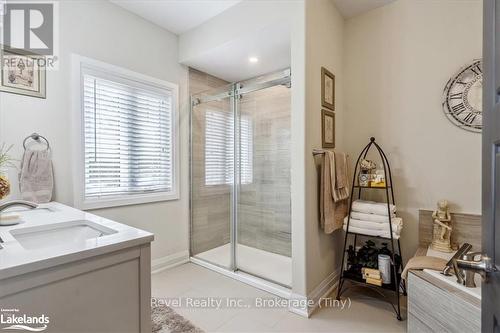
(14, 203)
(466, 247)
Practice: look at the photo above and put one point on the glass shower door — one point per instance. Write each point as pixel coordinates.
(212, 176)
(240, 177)
(263, 188)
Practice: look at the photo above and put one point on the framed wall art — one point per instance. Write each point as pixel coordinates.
(22, 74)
(327, 129)
(327, 89)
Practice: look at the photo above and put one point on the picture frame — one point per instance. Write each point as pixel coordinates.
(22, 73)
(327, 129)
(327, 89)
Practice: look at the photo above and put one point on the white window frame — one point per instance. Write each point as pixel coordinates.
(79, 65)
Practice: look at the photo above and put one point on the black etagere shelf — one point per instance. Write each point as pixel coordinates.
(397, 285)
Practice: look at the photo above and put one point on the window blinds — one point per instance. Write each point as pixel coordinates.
(219, 148)
(128, 138)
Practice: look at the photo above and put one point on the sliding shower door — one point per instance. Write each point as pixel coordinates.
(263, 198)
(212, 176)
(240, 177)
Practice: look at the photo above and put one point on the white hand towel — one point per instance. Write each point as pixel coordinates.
(371, 217)
(370, 232)
(397, 225)
(372, 207)
(36, 180)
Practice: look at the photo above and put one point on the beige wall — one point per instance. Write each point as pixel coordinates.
(103, 31)
(398, 59)
(324, 47)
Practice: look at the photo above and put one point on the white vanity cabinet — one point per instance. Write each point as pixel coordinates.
(437, 306)
(85, 284)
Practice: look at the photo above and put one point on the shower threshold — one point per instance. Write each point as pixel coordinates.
(272, 271)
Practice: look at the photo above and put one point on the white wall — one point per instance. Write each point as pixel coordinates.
(398, 59)
(324, 48)
(103, 31)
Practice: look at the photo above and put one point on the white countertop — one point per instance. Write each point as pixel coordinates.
(16, 260)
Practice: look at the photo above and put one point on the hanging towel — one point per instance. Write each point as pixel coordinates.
(36, 180)
(371, 217)
(372, 207)
(338, 170)
(332, 212)
(397, 225)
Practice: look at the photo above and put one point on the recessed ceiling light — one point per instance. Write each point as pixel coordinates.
(253, 59)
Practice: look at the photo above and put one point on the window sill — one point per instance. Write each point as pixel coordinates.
(127, 200)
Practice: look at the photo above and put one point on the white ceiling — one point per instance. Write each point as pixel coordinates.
(229, 61)
(350, 8)
(177, 16)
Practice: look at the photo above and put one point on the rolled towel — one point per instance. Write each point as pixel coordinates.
(397, 225)
(372, 207)
(371, 217)
(371, 232)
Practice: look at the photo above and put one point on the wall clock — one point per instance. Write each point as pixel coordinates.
(463, 99)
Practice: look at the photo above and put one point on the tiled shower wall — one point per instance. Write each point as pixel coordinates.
(264, 204)
(210, 205)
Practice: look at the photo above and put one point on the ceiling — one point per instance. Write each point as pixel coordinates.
(230, 61)
(177, 16)
(350, 8)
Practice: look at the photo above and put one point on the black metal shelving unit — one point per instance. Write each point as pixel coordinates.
(397, 285)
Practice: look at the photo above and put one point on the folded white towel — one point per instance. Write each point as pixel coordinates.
(371, 232)
(397, 225)
(371, 217)
(372, 207)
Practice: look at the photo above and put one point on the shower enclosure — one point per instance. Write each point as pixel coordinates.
(240, 177)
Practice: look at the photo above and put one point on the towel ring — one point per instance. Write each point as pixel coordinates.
(36, 137)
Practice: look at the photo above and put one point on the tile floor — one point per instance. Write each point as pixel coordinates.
(192, 282)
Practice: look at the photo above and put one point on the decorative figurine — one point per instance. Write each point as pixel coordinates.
(441, 235)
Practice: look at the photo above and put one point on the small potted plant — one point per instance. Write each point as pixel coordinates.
(5, 162)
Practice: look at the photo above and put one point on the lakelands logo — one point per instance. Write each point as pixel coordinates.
(12, 319)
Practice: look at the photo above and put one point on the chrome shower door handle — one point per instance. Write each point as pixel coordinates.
(484, 264)
(467, 267)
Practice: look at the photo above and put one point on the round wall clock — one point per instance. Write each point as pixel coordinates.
(463, 99)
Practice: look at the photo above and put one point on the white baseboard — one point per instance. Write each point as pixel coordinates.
(170, 261)
(302, 308)
(321, 291)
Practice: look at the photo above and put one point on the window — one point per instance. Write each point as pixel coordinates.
(219, 148)
(128, 139)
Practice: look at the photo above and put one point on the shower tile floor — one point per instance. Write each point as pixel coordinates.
(267, 265)
(192, 281)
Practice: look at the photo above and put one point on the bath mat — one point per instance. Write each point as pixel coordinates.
(166, 320)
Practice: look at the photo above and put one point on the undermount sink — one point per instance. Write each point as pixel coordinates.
(59, 234)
